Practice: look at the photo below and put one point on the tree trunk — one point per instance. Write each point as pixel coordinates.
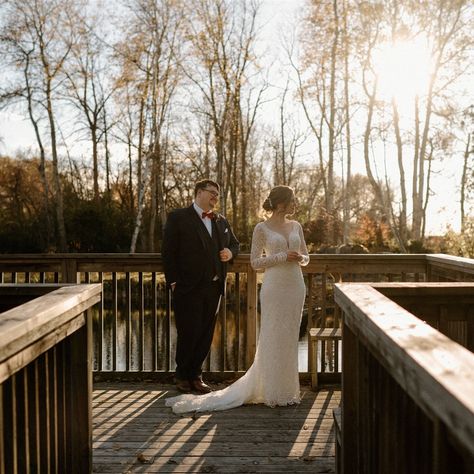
(107, 154)
(416, 158)
(140, 208)
(348, 184)
(95, 162)
(427, 197)
(57, 179)
(42, 166)
(403, 211)
(332, 116)
(464, 181)
(130, 175)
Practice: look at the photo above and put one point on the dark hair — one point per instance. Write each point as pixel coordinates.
(203, 184)
(278, 195)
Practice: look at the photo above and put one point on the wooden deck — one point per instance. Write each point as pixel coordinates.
(135, 432)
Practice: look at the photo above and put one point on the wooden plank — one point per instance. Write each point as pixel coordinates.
(186, 464)
(450, 262)
(10, 425)
(2, 431)
(69, 271)
(24, 326)
(325, 333)
(237, 315)
(374, 263)
(256, 438)
(34, 413)
(350, 401)
(23, 358)
(114, 320)
(22, 427)
(128, 324)
(141, 323)
(44, 414)
(311, 353)
(154, 319)
(432, 289)
(435, 371)
(62, 402)
(100, 336)
(80, 397)
(470, 328)
(27, 289)
(222, 317)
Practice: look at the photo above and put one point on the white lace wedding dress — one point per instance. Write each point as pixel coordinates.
(273, 377)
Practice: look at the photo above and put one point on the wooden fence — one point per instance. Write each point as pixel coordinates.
(133, 324)
(407, 388)
(46, 377)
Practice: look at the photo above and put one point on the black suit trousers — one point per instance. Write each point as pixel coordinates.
(195, 316)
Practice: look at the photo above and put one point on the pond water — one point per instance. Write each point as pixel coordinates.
(234, 348)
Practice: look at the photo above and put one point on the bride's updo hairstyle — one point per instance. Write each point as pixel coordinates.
(278, 195)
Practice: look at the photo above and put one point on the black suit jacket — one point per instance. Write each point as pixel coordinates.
(187, 248)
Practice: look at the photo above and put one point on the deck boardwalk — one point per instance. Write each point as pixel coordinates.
(135, 432)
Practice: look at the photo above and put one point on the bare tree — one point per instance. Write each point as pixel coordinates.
(450, 37)
(150, 65)
(44, 30)
(467, 125)
(347, 187)
(88, 88)
(223, 34)
(321, 86)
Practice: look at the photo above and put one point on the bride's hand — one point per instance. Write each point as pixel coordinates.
(292, 256)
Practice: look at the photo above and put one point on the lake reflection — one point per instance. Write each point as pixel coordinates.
(142, 343)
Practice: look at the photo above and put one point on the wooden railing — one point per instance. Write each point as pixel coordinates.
(133, 326)
(46, 377)
(407, 389)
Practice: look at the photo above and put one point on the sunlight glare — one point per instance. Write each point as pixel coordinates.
(403, 69)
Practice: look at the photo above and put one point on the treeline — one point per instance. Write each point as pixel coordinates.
(106, 224)
(131, 103)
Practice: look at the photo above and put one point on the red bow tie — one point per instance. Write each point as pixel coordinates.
(211, 215)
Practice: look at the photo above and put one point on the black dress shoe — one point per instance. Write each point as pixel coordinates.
(183, 385)
(199, 386)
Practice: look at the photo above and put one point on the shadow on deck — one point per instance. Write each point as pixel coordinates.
(135, 432)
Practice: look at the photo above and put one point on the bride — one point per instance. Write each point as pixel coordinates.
(278, 246)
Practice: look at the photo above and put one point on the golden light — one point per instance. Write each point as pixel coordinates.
(403, 69)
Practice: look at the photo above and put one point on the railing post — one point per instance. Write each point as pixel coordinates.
(428, 271)
(350, 400)
(2, 431)
(311, 353)
(80, 398)
(251, 316)
(69, 271)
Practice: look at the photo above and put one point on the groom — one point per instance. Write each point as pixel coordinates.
(197, 244)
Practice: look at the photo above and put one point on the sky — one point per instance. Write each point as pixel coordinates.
(277, 18)
(443, 208)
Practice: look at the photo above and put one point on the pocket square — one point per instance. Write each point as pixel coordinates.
(226, 230)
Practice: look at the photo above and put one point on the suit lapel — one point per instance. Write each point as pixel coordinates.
(219, 231)
(199, 226)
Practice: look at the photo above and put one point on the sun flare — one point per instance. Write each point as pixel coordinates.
(403, 70)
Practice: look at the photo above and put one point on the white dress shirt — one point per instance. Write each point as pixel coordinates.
(207, 222)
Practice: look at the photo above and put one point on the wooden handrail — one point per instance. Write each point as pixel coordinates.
(46, 378)
(135, 296)
(380, 337)
(24, 329)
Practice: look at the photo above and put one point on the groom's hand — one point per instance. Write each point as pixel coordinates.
(225, 255)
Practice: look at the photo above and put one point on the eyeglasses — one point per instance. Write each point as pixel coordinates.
(214, 193)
